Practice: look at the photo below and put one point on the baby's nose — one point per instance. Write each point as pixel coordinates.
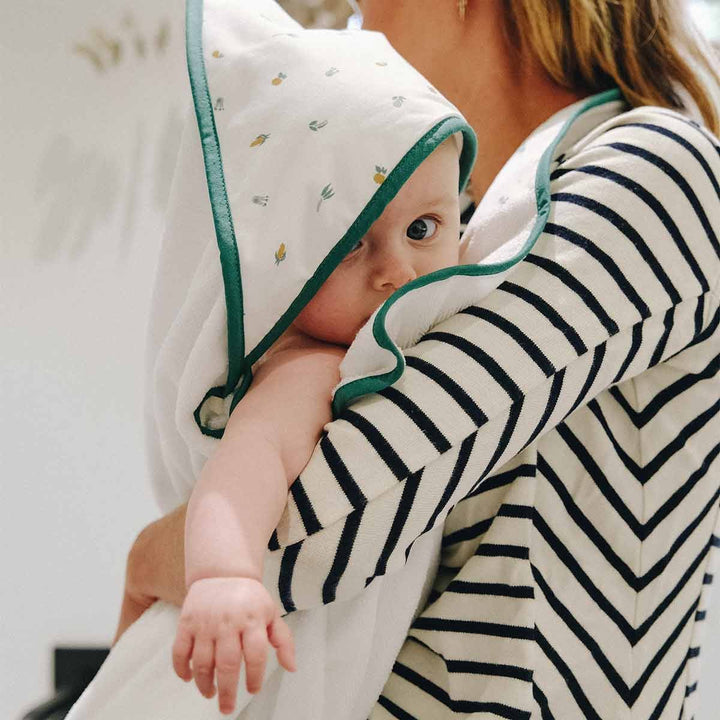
(394, 269)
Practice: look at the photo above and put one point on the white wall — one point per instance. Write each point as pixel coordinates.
(87, 156)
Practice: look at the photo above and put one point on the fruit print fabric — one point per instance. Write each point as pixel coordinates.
(310, 126)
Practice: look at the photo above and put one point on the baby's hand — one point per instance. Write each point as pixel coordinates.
(222, 620)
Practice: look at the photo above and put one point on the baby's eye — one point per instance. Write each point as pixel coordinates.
(419, 229)
(353, 249)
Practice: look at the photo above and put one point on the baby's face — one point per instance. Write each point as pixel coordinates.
(417, 233)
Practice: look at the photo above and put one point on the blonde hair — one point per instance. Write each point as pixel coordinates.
(647, 48)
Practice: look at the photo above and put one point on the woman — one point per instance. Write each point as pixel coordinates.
(578, 480)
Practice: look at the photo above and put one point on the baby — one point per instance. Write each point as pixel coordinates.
(228, 616)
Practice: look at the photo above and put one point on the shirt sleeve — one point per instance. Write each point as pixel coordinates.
(623, 277)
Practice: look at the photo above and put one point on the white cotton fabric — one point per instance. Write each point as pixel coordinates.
(346, 649)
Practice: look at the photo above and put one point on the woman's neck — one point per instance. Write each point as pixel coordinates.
(503, 96)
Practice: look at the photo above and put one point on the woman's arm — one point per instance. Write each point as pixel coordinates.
(155, 568)
(594, 304)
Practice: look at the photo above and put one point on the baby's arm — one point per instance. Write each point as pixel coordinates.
(234, 508)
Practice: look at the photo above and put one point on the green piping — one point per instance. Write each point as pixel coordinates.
(345, 394)
(222, 218)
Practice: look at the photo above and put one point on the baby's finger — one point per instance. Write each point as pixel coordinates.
(282, 640)
(228, 658)
(181, 652)
(203, 665)
(254, 645)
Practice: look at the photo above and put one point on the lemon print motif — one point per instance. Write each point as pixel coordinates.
(217, 54)
(379, 176)
(259, 140)
(280, 254)
(332, 71)
(382, 63)
(398, 100)
(280, 77)
(315, 125)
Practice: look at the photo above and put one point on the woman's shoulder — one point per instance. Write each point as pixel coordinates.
(650, 135)
(642, 159)
(649, 176)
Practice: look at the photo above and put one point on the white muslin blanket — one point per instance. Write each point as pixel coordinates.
(297, 141)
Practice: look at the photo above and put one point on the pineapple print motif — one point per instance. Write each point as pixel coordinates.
(315, 125)
(259, 140)
(380, 174)
(398, 100)
(280, 254)
(220, 104)
(261, 199)
(277, 80)
(326, 193)
(332, 71)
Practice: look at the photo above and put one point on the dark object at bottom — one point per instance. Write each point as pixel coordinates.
(74, 668)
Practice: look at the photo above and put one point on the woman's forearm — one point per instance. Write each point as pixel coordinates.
(235, 506)
(156, 562)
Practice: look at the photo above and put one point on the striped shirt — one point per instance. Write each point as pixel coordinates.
(570, 428)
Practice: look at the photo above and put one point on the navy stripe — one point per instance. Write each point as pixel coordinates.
(552, 315)
(464, 587)
(486, 361)
(418, 416)
(383, 448)
(505, 438)
(473, 667)
(501, 479)
(526, 343)
(542, 701)
(518, 552)
(637, 583)
(679, 180)
(651, 201)
(455, 477)
(592, 376)
(342, 475)
(665, 697)
(624, 227)
(591, 302)
(609, 265)
(455, 391)
(471, 532)
(475, 627)
(637, 333)
(398, 524)
(342, 555)
(287, 567)
(553, 398)
(394, 710)
(305, 508)
(565, 673)
(458, 706)
(662, 343)
(687, 145)
(640, 418)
